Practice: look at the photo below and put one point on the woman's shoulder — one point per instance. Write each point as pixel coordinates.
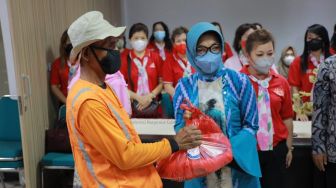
(296, 61)
(57, 61)
(281, 79)
(295, 66)
(153, 54)
(56, 64)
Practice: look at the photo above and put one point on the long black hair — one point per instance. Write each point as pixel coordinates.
(241, 30)
(333, 39)
(320, 31)
(168, 43)
(65, 48)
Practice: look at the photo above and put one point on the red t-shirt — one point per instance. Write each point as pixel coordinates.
(59, 75)
(172, 70)
(124, 52)
(153, 68)
(227, 52)
(332, 51)
(281, 103)
(301, 80)
(153, 48)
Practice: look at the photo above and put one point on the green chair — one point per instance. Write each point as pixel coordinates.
(62, 112)
(167, 106)
(55, 160)
(11, 157)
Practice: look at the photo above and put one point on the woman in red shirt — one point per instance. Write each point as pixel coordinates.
(238, 60)
(303, 70)
(60, 70)
(160, 42)
(274, 109)
(142, 71)
(175, 67)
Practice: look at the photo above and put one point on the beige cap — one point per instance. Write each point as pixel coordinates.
(89, 28)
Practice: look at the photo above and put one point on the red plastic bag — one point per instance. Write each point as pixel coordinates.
(214, 153)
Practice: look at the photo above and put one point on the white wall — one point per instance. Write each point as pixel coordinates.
(286, 19)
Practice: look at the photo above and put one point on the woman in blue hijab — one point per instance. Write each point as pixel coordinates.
(226, 96)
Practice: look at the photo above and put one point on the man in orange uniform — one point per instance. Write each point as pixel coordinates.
(106, 148)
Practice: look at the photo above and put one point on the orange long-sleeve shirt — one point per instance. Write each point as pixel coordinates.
(106, 148)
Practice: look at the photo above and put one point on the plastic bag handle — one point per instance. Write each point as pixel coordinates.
(186, 105)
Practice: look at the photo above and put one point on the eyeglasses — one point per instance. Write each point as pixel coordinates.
(202, 50)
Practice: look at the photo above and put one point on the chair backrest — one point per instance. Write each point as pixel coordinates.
(9, 120)
(62, 112)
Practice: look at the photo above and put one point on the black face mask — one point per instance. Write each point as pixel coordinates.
(315, 44)
(111, 63)
(68, 49)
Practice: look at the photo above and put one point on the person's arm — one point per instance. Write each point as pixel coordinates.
(140, 99)
(177, 101)
(101, 129)
(248, 106)
(295, 90)
(289, 141)
(289, 124)
(244, 142)
(320, 118)
(294, 80)
(168, 87)
(157, 89)
(133, 95)
(58, 93)
(168, 76)
(287, 113)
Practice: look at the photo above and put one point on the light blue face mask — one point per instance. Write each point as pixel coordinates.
(159, 35)
(209, 63)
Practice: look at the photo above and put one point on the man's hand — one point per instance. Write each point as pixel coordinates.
(320, 161)
(188, 137)
(186, 115)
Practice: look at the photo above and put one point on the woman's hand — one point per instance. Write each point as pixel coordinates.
(301, 117)
(289, 158)
(144, 101)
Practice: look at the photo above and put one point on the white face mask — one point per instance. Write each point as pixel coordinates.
(288, 59)
(139, 45)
